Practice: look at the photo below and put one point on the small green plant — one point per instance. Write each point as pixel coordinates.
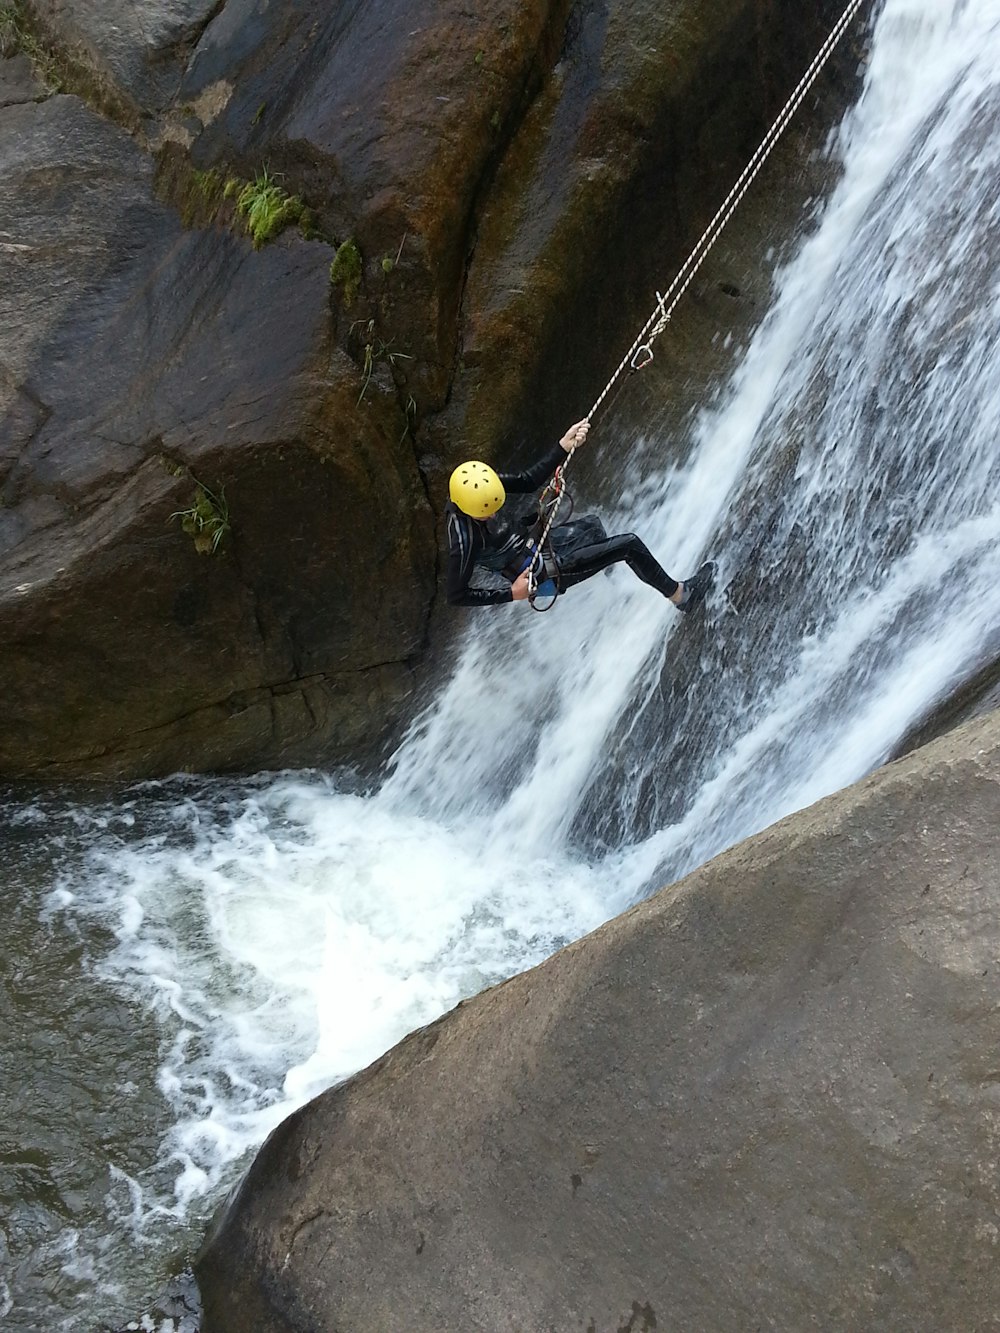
(260, 208)
(206, 519)
(266, 209)
(387, 261)
(10, 42)
(376, 350)
(409, 416)
(258, 114)
(346, 270)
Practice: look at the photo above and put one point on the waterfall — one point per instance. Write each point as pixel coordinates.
(283, 932)
(844, 485)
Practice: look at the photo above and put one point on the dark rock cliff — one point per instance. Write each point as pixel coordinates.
(218, 465)
(764, 1098)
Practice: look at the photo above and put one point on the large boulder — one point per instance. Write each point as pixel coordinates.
(765, 1098)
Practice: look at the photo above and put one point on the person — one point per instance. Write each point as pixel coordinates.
(480, 536)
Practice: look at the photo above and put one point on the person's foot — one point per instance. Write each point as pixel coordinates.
(695, 589)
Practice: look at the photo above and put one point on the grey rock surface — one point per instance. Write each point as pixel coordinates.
(765, 1098)
(18, 82)
(140, 47)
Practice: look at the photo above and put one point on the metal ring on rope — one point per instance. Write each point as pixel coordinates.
(661, 315)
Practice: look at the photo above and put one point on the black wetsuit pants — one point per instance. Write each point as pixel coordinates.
(583, 561)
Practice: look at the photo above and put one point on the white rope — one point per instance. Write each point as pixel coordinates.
(660, 317)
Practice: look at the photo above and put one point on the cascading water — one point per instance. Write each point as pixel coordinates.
(260, 941)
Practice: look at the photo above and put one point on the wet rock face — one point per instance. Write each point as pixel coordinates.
(140, 361)
(391, 115)
(515, 163)
(485, 172)
(764, 1098)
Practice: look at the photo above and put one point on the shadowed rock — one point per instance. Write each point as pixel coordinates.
(766, 1097)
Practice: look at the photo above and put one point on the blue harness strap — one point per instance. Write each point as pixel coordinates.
(546, 588)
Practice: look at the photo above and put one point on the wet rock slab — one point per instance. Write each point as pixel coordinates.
(765, 1098)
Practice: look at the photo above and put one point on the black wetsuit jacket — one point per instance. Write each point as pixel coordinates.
(498, 543)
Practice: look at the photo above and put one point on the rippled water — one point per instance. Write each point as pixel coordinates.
(186, 962)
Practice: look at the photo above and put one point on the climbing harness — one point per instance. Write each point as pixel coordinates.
(640, 354)
(542, 561)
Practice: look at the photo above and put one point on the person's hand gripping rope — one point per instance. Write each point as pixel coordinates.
(574, 437)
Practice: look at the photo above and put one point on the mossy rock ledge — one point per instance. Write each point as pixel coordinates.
(483, 166)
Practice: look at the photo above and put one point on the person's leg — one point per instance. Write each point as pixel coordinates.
(586, 561)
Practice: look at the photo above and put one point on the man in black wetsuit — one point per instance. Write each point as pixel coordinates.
(479, 536)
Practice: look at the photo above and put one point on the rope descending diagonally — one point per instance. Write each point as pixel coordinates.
(641, 351)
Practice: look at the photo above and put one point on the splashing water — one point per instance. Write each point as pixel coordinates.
(282, 933)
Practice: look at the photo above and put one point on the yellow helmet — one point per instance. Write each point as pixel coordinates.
(476, 489)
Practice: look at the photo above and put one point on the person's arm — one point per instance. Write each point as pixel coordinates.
(461, 564)
(532, 478)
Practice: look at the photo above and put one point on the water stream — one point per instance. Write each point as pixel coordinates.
(187, 961)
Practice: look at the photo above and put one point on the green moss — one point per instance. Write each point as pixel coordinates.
(346, 270)
(267, 209)
(309, 225)
(204, 197)
(207, 185)
(172, 466)
(259, 207)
